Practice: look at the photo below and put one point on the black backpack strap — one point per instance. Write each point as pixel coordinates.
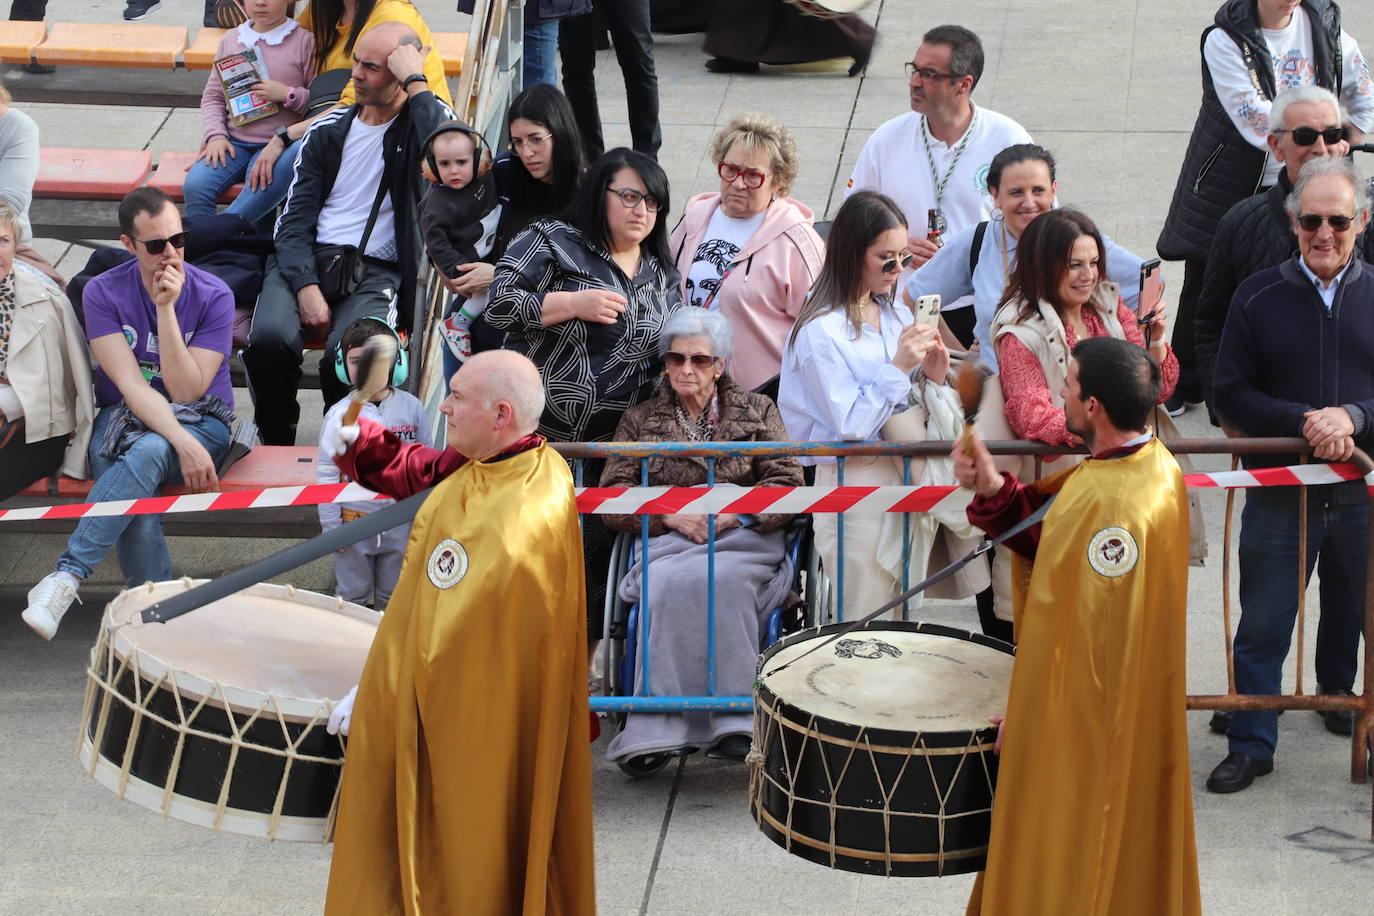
(977, 250)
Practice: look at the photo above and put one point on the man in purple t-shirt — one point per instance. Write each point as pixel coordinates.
(160, 331)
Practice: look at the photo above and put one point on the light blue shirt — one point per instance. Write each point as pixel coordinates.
(946, 275)
(1328, 293)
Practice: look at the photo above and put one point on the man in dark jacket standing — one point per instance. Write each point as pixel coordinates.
(1253, 48)
(1297, 358)
(353, 200)
(1257, 232)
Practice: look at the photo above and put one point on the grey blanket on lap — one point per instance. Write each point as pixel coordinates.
(752, 576)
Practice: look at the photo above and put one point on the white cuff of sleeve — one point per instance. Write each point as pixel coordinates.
(10, 404)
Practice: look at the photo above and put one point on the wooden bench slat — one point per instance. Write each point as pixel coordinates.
(18, 38)
(170, 177)
(264, 466)
(452, 47)
(105, 45)
(202, 52)
(97, 174)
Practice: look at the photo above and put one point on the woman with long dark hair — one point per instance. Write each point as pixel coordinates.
(859, 368)
(585, 298)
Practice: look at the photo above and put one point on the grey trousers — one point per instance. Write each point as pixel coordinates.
(366, 572)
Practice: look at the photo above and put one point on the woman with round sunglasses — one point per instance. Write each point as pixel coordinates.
(857, 368)
(585, 298)
(698, 401)
(748, 250)
(1022, 182)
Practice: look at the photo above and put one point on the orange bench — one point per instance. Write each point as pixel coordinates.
(171, 175)
(84, 44)
(18, 38)
(90, 174)
(264, 466)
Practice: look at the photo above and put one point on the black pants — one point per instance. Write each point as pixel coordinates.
(1189, 382)
(276, 341)
(29, 11)
(21, 463)
(628, 21)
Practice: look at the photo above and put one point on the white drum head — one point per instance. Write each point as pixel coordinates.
(895, 679)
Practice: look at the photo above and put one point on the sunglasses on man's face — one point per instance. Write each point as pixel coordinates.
(699, 360)
(1306, 136)
(1311, 222)
(892, 265)
(157, 246)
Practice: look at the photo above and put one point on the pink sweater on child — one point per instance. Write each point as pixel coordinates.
(289, 61)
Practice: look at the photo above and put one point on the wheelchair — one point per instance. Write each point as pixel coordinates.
(620, 643)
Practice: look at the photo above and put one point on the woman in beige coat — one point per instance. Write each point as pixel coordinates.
(45, 374)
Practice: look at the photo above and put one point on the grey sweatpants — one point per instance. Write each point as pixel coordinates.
(371, 568)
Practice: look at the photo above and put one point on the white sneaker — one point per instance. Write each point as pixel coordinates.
(48, 601)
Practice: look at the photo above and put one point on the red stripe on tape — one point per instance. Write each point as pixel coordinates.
(1199, 480)
(672, 501)
(843, 498)
(73, 511)
(757, 500)
(1275, 477)
(235, 499)
(590, 499)
(923, 500)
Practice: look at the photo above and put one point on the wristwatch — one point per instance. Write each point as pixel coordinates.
(284, 136)
(414, 77)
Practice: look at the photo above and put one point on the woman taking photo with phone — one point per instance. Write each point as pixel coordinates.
(979, 260)
(858, 368)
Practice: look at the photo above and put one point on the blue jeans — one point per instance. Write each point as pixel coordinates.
(1337, 538)
(140, 472)
(204, 183)
(540, 53)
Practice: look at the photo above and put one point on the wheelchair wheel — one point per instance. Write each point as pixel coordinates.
(643, 765)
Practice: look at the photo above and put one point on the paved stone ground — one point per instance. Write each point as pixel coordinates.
(1111, 87)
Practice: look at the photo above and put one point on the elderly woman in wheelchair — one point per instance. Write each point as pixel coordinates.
(698, 402)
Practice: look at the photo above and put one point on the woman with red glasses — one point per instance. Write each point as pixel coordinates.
(697, 401)
(858, 368)
(748, 250)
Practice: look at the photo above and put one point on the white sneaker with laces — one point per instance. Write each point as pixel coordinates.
(48, 601)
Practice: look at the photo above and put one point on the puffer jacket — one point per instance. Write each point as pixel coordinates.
(763, 295)
(1220, 167)
(744, 417)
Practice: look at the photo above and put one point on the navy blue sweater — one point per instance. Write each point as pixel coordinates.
(1282, 354)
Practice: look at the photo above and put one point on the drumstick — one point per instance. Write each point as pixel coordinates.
(373, 374)
(972, 376)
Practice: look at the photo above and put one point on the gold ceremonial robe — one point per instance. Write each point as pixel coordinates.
(1094, 811)
(467, 783)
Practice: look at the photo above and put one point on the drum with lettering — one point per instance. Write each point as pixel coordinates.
(218, 717)
(874, 753)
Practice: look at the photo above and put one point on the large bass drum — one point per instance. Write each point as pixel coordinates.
(218, 717)
(874, 754)
(829, 9)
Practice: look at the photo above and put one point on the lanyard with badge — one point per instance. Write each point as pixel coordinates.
(935, 179)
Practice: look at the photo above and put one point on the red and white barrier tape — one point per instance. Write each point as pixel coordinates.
(666, 500)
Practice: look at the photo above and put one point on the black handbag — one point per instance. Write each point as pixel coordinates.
(340, 268)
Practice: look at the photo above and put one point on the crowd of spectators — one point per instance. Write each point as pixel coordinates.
(740, 323)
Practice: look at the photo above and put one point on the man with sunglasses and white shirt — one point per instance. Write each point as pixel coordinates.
(1297, 358)
(160, 331)
(936, 157)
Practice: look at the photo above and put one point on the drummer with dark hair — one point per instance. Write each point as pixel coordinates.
(1094, 810)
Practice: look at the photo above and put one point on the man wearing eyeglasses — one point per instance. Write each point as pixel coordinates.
(936, 157)
(1297, 358)
(160, 331)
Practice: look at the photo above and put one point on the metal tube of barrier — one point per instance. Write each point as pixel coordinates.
(710, 587)
(647, 688)
(839, 548)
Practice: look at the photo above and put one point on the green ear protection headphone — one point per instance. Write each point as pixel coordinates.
(400, 370)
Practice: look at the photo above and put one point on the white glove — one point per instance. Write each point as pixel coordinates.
(339, 439)
(343, 710)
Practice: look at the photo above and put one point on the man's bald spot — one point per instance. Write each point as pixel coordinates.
(508, 376)
(386, 37)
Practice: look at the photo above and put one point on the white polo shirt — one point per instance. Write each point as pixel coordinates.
(894, 162)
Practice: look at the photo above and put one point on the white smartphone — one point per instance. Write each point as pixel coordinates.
(928, 310)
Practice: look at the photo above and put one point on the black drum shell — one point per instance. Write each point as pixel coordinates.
(254, 776)
(865, 840)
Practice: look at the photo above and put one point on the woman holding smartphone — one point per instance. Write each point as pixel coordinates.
(1022, 183)
(858, 368)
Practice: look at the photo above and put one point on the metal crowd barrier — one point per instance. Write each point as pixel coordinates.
(644, 700)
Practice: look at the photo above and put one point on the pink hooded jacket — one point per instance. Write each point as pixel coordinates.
(764, 293)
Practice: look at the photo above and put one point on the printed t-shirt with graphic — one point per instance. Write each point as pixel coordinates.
(725, 237)
(116, 303)
(1290, 52)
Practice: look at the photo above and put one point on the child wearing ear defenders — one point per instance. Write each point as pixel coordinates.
(366, 572)
(458, 218)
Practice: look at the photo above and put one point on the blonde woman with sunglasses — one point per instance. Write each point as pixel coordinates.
(858, 368)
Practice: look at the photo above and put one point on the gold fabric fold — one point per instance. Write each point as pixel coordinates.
(467, 781)
(1094, 809)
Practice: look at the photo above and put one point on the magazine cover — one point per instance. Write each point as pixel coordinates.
(239, 72)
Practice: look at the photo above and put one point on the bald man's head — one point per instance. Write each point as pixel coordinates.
(504, 375)
(375, 86)
(389, 36)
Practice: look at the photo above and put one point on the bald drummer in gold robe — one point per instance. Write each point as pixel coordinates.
(1094, 812)
(467, 781)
